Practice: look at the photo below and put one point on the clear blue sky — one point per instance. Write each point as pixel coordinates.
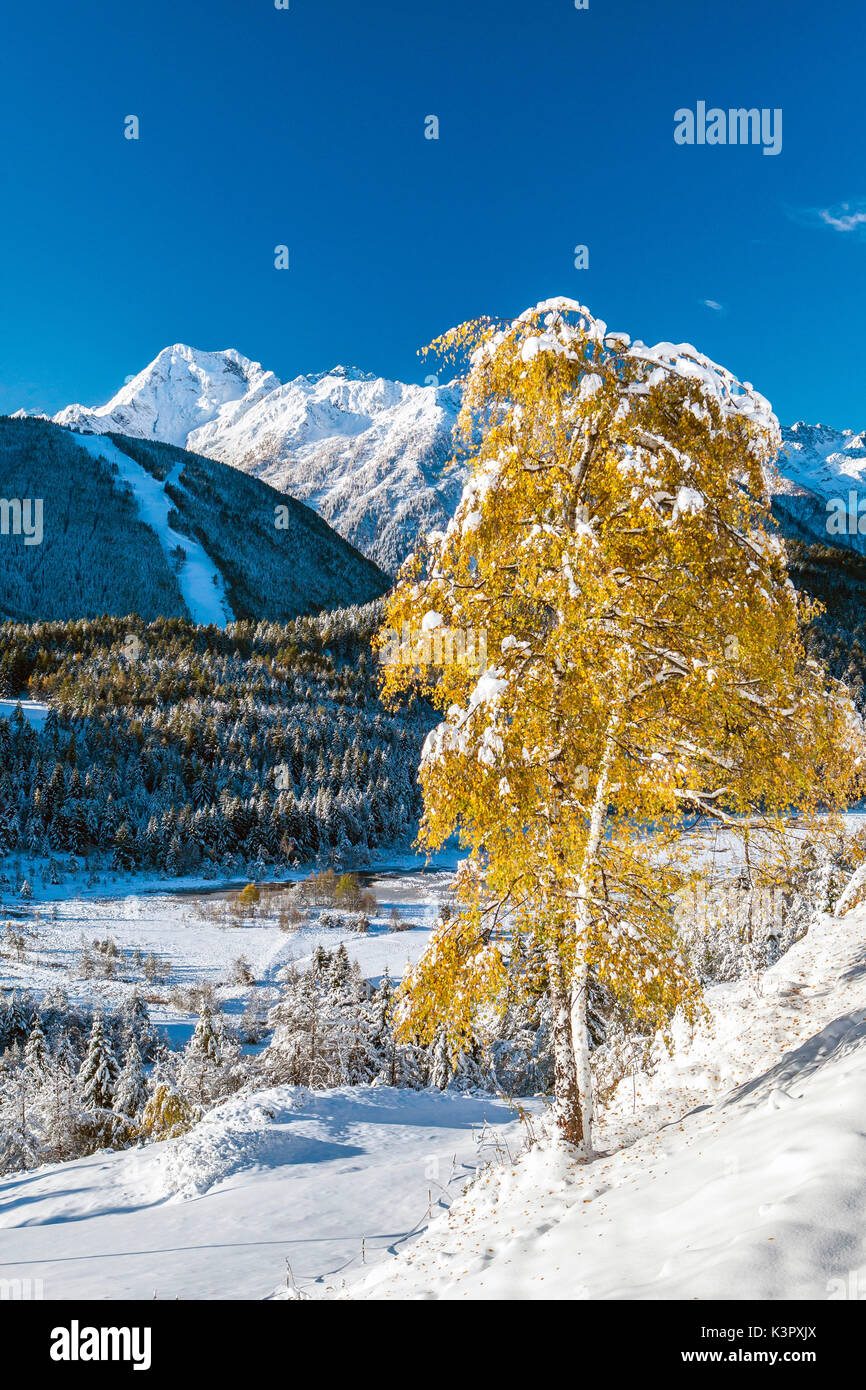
(306, 127)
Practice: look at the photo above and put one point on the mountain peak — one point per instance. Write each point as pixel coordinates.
(182, 389)
(346, 373)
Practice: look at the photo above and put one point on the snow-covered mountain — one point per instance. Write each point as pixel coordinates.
(820, 466)
(369, 454)
(822, 460)
(366, 453)
(178, 392)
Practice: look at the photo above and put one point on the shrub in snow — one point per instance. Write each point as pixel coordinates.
(167, 1113)
(332, 920)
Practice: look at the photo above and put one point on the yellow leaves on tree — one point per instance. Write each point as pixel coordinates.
(615, 546)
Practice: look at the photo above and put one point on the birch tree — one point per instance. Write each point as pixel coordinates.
(614, 554)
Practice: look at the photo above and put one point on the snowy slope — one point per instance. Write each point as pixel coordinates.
(367, 453)
(201, 584)
(284, 1178)
(747, 1178)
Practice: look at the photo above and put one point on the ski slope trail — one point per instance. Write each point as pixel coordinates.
(201, 584)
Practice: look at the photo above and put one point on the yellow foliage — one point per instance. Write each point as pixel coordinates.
(615, 545)
(167, 1114)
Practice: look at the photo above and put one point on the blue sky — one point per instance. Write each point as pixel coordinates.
(305, 127)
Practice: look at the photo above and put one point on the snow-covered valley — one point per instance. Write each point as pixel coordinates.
(735, 1170)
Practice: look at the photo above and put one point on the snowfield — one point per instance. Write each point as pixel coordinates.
(736, 1171)
(743, 1175)
(196, 950)
(284, 1185)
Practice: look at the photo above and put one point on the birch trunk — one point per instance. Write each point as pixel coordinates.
(566, 1094)
(579, 1006)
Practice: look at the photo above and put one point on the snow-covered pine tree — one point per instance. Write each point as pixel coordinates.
(97, 1076)
(130, 1094)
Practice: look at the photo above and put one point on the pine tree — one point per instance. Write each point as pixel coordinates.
(97, 1077)
(208, 1059)
(131, 1092)
(36, 1052)
(124, 847)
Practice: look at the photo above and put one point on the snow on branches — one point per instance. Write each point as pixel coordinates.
(615, 546)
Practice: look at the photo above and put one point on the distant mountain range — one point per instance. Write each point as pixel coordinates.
(370, 454)
(132, 525)
(818, 464)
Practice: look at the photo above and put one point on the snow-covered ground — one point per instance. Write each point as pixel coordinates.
(318, 1183)
(285, 1180)
(201, 583)
(742, 1173)
(737, 1170)
(178, 928)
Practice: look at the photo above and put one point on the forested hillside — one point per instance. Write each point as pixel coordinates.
(271, 571)
(176, 748)
(837, 580)
(101, 551)
(97, 555)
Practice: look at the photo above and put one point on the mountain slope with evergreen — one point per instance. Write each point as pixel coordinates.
(141, 527)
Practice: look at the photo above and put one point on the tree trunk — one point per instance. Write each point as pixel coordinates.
(579, 1021)
(566, 1095)
(579, 1003)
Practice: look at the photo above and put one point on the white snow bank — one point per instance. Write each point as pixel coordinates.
(317, 1182)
